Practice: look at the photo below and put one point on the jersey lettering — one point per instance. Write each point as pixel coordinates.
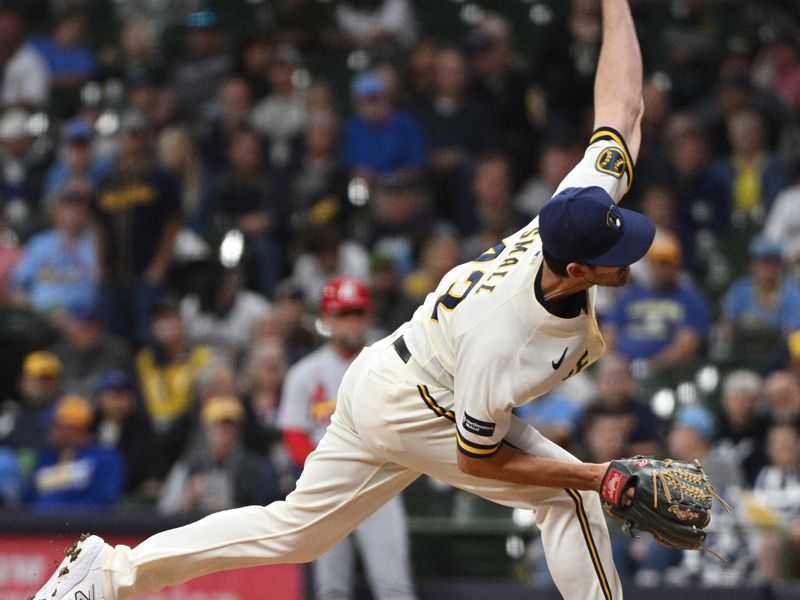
(478, 427)
(497, 274)
(449, 301)
(520, 246)
(509, 262)
(491, 253)
(579, 366)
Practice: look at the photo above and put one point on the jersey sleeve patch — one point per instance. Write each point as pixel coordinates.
(475, 450)
(609, 156)
(477, 427)
(611, 161)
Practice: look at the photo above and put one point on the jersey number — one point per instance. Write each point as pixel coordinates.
(448, 301)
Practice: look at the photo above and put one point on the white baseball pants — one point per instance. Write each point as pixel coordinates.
(381, 438)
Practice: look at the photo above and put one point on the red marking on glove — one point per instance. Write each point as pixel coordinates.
(642, 463)
(613, 484)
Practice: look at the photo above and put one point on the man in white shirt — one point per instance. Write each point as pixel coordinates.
(25, 80)
(783, 220)
(437, 395)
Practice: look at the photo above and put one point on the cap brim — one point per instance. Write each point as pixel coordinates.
(637, 236)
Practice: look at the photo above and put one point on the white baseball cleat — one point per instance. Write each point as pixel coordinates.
(79, 576)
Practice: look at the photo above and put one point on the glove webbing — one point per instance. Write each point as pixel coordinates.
(677, 478)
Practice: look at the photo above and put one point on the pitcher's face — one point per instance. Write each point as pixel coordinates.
(608, 276)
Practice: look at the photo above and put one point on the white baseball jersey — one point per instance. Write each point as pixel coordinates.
(485, 334)
(309, 392)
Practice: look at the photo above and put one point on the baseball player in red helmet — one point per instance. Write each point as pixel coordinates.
(437, 395)
(307, 404)
(345, 305)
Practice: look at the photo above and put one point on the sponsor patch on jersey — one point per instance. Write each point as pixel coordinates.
(611, 161)
(477, 426)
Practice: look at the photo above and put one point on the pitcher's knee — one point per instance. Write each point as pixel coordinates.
(308, 545)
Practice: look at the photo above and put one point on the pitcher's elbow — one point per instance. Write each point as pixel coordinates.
(465, 463)
(638, 109)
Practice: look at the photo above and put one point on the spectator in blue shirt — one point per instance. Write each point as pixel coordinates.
(764, 300)
(59, 268)
(69, 59)
(24, 419)
(11, 480)
(661, 323)
(75, 473)
(77, 158)
(378, 139)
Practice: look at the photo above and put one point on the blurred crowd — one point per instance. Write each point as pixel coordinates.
(179, 180)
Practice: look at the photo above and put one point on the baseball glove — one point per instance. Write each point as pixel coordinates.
(671, 500)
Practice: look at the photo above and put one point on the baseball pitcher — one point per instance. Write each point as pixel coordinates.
(436, 396)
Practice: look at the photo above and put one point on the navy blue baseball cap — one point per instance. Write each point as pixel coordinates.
(78, 130)
(114, 379)
(585, 225)
(86, 311)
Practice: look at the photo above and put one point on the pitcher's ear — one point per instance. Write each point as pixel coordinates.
(577, 270)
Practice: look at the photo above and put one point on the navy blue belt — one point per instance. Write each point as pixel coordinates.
(401, 349)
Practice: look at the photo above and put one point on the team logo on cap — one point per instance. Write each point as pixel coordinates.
(348, 291)
(611, 161)
(614, 218)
